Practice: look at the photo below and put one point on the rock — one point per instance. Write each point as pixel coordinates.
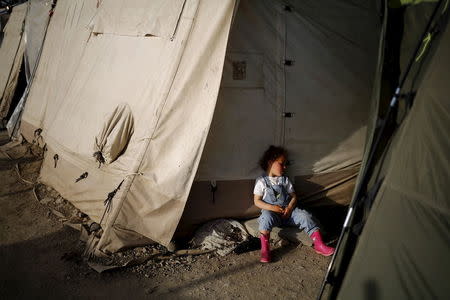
(99, 233)
(46, 200)
(84, 235)
(292, 234)
(73, 225)
(282, 243)
(59, 200)
(93, 226)
(57, 213)
(171, 247)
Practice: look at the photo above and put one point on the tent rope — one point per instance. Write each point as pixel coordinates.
(108, 205)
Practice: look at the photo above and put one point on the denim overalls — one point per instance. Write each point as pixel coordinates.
(276, 194)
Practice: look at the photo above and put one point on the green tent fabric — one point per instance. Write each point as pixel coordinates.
(403, 250)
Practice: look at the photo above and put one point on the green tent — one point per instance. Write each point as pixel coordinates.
(395, 242)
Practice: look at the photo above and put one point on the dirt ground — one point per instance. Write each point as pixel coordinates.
(40, 257)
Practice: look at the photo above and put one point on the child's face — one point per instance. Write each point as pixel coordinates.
(277, 167)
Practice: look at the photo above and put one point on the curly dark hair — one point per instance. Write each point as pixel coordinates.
(271, 154)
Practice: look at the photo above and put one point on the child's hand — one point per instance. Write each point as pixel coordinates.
(287, 212)
(278, 209)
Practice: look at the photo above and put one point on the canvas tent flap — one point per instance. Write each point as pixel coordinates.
(11, 53)
(139, 17)
(408, 259)
(115, 134)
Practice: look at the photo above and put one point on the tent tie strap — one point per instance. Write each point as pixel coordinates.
(37, 136)
(56, 158)
(82, 176)
(108, 200)
(99, 158)
(213, 186)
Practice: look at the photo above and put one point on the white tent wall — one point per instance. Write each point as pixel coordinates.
(248, 113)
(334, 48)
(11, 55)
(327, 88)
(170, 85)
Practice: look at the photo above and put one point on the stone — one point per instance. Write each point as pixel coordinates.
(46, 200)
(291, 234)
(93, 226)
(171, 247)
(282, 243)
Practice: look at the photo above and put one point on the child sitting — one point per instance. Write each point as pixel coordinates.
(275, 195)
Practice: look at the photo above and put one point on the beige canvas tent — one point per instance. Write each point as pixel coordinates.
(164, 107)
(11, 55)
(19, 52)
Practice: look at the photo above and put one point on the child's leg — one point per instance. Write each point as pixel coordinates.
(304, 220)
(267, 221)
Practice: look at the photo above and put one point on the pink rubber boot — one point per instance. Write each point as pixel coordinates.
(319, 246)
(265, 248)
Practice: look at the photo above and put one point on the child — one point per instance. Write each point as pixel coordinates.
(275, 195)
